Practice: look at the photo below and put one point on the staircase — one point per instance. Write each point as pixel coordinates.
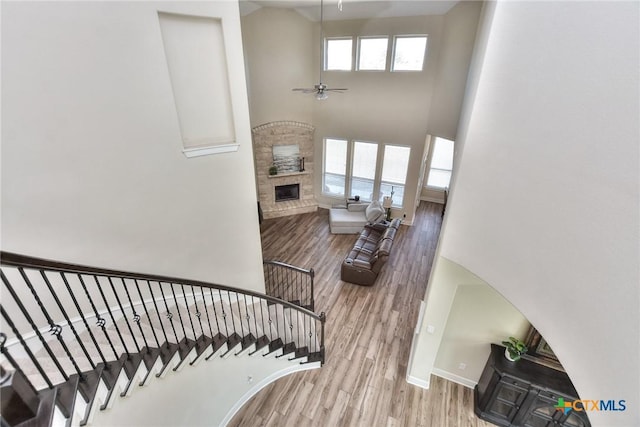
(74, 338)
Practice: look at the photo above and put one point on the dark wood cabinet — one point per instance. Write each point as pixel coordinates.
(524, 393)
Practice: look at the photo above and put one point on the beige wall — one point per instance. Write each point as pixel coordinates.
(278, 45)
(479, 315)
(92, 163)
(385, 107)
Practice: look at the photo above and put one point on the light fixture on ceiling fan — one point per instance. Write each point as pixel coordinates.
(321, 90)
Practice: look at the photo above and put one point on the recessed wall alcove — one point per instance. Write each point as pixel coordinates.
(284, 133)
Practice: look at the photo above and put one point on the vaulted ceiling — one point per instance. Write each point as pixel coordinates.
(353, 9)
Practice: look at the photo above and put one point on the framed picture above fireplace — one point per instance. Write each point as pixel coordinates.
(286, 158)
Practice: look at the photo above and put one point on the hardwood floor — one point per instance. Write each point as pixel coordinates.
(368, 335)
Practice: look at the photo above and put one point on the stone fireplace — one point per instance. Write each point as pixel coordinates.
(290, 191)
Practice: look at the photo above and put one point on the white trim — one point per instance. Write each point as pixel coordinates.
(418, 382)
(454, 378)
(262, 384)
(432, 199)
(205, 151)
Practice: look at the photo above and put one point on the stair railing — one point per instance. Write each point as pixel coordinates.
(100, 318)
(290, 283)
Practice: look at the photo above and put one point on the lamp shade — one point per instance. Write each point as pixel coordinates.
(387, 202)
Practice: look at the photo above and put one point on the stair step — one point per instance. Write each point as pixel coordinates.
(275, 345)
(110, 375)
(300, 353)
(287, 349)
(88, 389)
(261, 343)
(19, 401)
(131, 366)
(184, 349)
(66, 395)
(314, 357)
(233, 340)
(46, 410)
(167, 352)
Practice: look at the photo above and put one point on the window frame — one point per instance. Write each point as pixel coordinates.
(325, 60)
(351, 159)
(346, 167)
(432, 150)
(392, 67)
(359, 53)
(395, 203)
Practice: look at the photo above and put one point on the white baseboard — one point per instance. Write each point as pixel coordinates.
(418, 382)
(454, 378)
(432, 199)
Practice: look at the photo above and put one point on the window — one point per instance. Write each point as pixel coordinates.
(339, 54)
(363, 173)
(372, 53)
(335, 167)
(409, 52)
(394, 172)
(441, 163)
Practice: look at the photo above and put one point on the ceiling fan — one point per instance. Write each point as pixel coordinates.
(321, 90)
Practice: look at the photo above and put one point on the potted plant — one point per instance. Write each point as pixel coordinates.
(273, 170)
(515, 348)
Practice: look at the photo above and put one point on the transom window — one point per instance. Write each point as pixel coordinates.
(339, 54)
(409, 53)
(372, 53)
(441, 163)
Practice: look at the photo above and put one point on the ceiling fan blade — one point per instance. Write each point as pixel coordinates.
(304, 90)
(337, 89)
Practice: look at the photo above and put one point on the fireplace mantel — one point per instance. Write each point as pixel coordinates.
(284, 133)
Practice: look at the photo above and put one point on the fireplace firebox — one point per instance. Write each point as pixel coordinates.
(287, 192)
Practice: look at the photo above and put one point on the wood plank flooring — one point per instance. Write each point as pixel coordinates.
(368, 335)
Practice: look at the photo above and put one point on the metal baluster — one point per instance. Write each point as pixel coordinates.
(255, 317)
(197, 313)
(113, 319)
(262, 302)
(239, 313)
(55, 329)
(224, 314)
(99, 320)
(26, 348)
(136, 317)
(84, 320)
(153, 298)
(144, 306)
(248, 317)
(175, 299)
(66, 317)
(312, 274)
(169, 314)
(124, 316)
(206, 310)
(216, 314)
(233, 322)
(186, 304)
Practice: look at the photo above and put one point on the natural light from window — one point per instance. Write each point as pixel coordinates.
(394, 172)
(335, 166)
(441, 163)
(409, 52)
(372, 53)
(364, 169)
(339, 54)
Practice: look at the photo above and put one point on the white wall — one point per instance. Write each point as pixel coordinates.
(92, 163)
(552, 224)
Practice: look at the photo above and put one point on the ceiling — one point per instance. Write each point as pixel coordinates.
(353, 9)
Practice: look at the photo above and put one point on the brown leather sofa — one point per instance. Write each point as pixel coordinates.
(370, 253)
